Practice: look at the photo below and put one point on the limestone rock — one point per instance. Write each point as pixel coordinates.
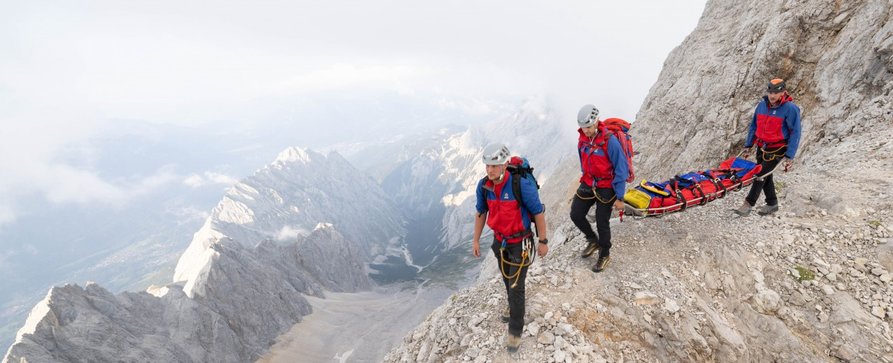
(646, 298)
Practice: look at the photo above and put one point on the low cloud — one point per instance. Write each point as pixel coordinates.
(61, 184)
(6, 215)
(30, 249)
(65, 184)
(345, 75)
(188, 214)
(288, 233)
(5, 255)
(196, 181)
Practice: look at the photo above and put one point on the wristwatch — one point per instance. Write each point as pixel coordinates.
(544, 241)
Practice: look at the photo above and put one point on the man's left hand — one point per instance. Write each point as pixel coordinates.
(788, 164)
(542, 249)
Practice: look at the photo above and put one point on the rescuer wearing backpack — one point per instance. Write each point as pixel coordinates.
(606, 169)
(775, 129)
(508, 202)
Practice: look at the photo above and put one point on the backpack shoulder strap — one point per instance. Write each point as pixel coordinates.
(483, 190)
(606, 139)
(516, 190)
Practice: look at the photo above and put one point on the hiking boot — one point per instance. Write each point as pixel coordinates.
(767, 209)
(601, 264)
(590, 249)
(744, 210)
(512, 342)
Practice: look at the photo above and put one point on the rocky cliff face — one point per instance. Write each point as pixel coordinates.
(251, 296)
(810, 283)
(685, 288)
(837, 58)
(287, 199)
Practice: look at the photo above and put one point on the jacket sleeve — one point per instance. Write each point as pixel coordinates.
(793, 125)
(481, 204)
(531, 198)
(621, 169)
(751, 131)
(580, 154)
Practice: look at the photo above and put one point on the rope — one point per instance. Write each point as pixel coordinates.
(584, 198)
(596, 197)
(526, 255)
(773, 154)
(601, 200)
(764, 176)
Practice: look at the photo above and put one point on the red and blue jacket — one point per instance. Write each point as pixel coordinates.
(508, 220)
(602, 161)
(775, 126)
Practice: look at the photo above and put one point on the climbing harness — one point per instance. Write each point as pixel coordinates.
(596, 197)
(602, 201)
(772, 154)
(527, 258)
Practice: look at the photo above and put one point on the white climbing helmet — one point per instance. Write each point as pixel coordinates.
(495, 154)
(587, 116)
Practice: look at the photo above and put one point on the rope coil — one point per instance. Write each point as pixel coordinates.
(527, 258)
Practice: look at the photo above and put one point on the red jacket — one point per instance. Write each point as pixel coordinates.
(597, 168)
(509, 220)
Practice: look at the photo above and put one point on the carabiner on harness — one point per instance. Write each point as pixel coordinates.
(525, 261)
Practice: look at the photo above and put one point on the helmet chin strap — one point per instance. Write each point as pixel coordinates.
(499, 179)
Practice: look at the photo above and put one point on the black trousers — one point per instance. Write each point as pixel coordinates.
(512, 253)
(583, 201)
(765, 185)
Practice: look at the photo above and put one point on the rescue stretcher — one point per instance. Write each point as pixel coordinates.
(649, 199)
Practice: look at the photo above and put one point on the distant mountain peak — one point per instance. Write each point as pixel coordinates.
(323, 226)
(38, 313)
(294, 155)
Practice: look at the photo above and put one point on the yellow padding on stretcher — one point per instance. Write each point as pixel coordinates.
(637, 198)
(644, 184)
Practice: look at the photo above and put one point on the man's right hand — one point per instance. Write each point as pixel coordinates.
(745, 152)
(476, 248)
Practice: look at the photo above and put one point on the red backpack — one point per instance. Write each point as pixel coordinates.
(620, 129)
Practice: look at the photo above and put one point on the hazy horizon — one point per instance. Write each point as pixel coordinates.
(73, 71)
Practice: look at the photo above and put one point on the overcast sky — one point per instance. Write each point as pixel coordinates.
(70, 68)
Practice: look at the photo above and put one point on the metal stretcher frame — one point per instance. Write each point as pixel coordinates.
(662, 211)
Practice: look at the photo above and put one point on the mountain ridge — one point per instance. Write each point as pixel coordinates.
(238, 286)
